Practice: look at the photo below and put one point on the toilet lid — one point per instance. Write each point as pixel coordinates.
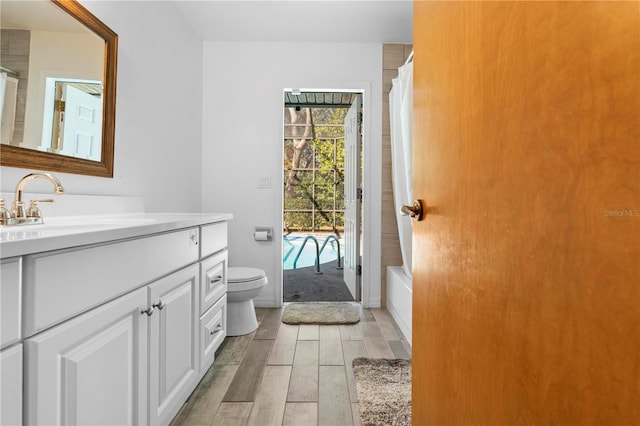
(242, 274)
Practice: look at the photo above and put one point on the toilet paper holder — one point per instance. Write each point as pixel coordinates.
(263, 233)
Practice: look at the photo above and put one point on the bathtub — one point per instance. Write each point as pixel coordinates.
(399, 298)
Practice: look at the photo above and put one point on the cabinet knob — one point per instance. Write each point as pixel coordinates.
(216, 330)
(160, 305)
(148, 311)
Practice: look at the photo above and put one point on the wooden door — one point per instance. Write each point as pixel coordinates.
(527, 267)
(92, 369)
(173, 342)
(352, 201)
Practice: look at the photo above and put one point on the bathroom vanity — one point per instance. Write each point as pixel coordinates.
(109, 319)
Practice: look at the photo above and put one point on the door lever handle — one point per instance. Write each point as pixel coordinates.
(415, 211)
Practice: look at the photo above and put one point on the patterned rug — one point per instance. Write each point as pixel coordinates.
(384, 391)
(320, 313)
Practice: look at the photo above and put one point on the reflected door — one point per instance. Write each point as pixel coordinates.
(81, 128)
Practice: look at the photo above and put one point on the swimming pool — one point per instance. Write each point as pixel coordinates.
(291, 247)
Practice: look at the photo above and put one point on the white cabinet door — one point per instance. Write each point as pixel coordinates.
(91, 369)
(10, 300)
(173, 347)
(11, 386)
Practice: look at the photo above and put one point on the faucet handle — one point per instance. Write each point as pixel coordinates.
(5, 215)
(33, 210)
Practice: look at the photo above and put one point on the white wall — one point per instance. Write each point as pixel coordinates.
(207, 120)
(242, 141)
(158, 114)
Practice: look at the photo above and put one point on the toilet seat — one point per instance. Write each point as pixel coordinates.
(242, 278)
(243, 274)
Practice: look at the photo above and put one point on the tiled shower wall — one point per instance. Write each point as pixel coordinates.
(393, 57)
(14, 54)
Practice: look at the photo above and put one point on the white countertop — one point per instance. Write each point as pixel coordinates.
(73, 231)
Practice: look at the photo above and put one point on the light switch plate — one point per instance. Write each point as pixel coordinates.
(264, 182)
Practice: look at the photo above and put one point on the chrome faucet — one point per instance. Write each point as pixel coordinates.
(18, 215)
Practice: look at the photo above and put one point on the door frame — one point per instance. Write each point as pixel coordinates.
(370, 280)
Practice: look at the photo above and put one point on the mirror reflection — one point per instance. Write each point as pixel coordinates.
(76, 113)
(51, 88)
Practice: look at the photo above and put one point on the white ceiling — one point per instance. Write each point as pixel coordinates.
(343, 21)
(37, 15)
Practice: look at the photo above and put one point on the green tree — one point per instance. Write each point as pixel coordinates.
(314, 169)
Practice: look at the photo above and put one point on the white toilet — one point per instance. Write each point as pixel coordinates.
(243, 284)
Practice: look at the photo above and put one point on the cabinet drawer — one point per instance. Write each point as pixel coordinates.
(10, 299)
(59, 285)
(213, 281)
(213, 238)
(213, 330)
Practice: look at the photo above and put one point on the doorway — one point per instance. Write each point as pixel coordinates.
(322, 196)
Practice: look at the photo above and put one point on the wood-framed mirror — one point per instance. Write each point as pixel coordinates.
(45, 149)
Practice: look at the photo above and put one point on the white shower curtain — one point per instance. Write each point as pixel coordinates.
(401, 111)
(8, 99)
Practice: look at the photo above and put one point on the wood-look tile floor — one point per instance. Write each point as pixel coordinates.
(291, 375)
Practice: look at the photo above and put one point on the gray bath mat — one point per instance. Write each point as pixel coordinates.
(384, 391)
(320, 313)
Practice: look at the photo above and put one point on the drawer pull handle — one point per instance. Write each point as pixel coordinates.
(148, 311)
(216, 330)
(216, 279)
(160, 305)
